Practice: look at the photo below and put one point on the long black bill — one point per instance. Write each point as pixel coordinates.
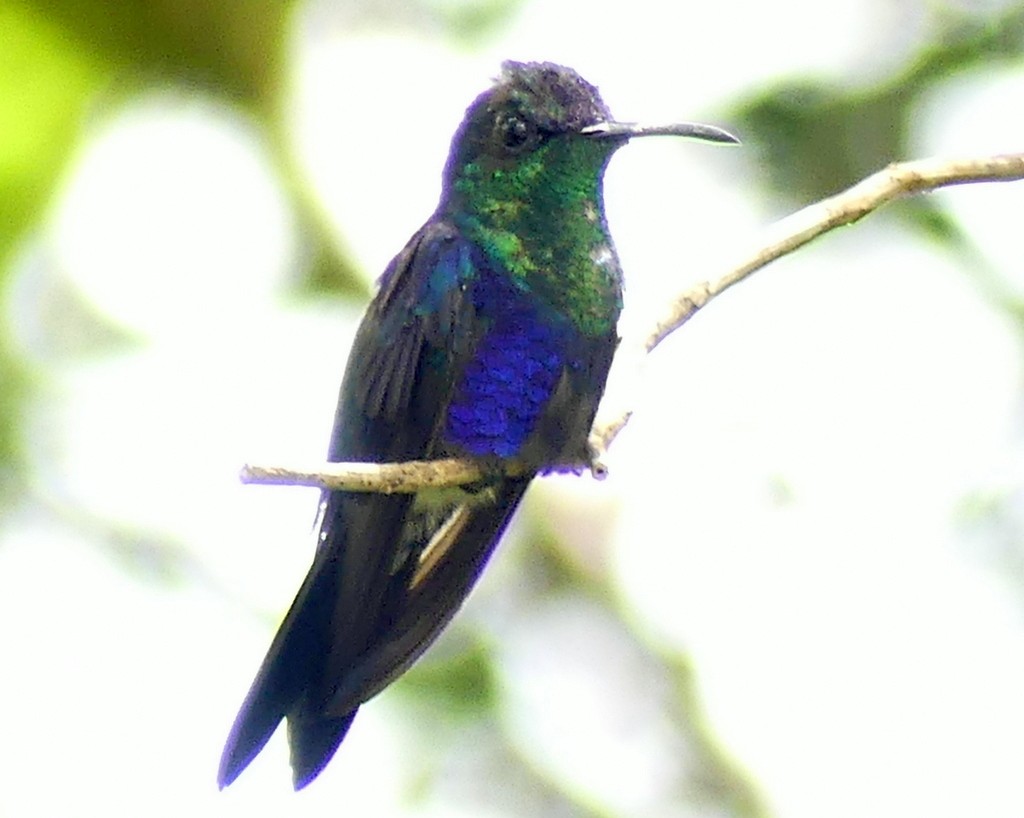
(628, 130)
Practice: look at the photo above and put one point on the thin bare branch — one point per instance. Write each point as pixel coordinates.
(897, 180)
(382, 478)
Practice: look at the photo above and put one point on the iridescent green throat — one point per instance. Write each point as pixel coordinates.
(541, 217)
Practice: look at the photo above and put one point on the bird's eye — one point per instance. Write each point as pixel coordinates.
(515, 132)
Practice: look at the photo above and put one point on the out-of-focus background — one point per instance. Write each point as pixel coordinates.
(801, 590)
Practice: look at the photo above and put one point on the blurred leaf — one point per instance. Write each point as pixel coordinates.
(58, 56)
(721, 781)
(935, 224)
(474, 20)
(814, 138)
(44, 83)
(324, 268)
(229, 51)
(219, 49)
(13, 391)
(457, 684)
(59, 59)
(555, 566)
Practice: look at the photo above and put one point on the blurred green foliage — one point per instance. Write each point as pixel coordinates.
(59, 60)
(813, 137)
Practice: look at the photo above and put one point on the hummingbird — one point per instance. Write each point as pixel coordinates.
(490, 338)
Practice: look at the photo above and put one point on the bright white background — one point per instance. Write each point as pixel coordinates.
(795, 503)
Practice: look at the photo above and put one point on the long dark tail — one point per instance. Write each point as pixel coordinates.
(355, 626)
(283, 682)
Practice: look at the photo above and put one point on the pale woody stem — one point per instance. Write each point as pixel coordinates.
(794, 231)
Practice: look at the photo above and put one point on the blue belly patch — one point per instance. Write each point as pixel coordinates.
(504, 389)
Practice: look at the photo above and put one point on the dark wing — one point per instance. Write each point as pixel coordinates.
(373, 599)
(415, 338)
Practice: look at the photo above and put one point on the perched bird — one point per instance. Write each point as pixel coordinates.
(490, 337)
